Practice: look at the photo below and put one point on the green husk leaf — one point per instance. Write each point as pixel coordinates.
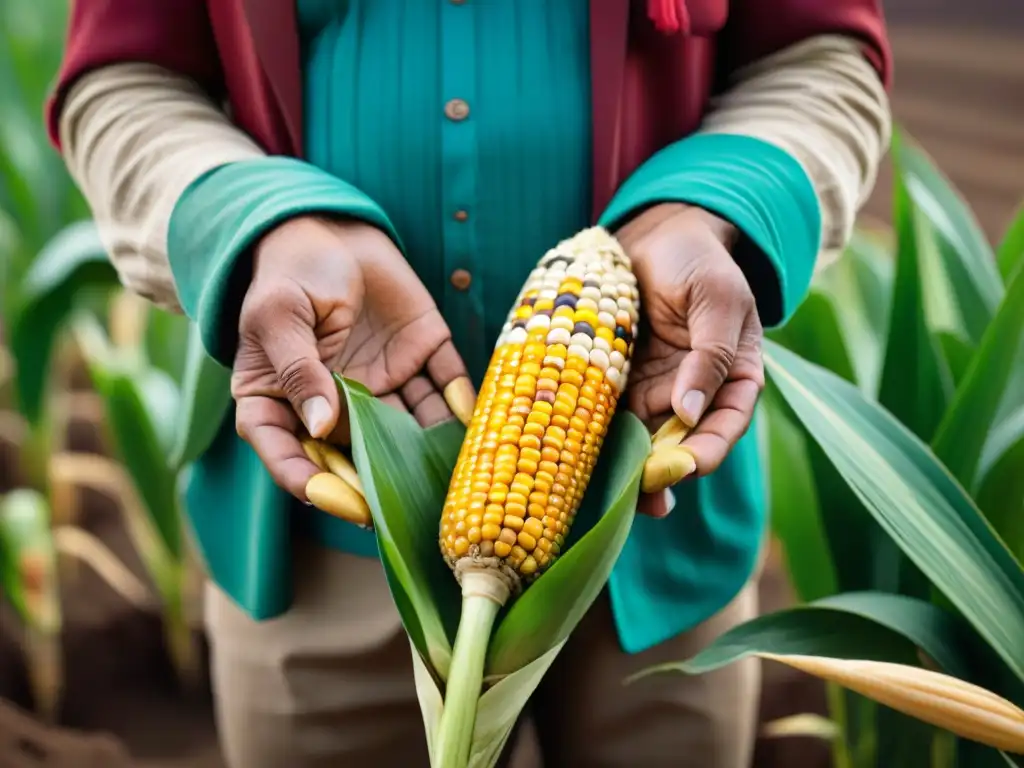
(405, 472)
(501, 705)
(498, 710)
(548, 610)
(429, 697)
(912, 496)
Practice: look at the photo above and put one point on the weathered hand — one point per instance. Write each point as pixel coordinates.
(336, 296)
(700, 353)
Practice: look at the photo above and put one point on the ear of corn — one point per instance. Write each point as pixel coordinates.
(552, 386)
(543, 411)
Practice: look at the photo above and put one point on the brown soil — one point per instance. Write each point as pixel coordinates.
(122, 705)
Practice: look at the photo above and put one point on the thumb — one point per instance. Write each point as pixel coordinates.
(305, 380)
(714, 336)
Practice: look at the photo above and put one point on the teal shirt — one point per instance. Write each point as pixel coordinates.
(487, 190)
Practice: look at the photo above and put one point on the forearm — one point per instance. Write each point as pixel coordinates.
(134, 137)
(824, 103)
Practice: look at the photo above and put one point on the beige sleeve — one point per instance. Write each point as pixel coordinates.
(823, 102)
(134, 136)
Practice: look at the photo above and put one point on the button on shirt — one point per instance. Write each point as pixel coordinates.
(482, 163)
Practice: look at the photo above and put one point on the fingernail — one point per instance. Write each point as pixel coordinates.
(461, 398)
(670, 501)
(692, 405)
(316, 413)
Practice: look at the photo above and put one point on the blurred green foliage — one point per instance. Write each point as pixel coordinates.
(37, 196)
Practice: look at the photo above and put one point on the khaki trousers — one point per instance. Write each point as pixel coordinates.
(330, 684)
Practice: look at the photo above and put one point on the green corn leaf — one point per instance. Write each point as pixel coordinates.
(544, 615)
(815, 334)
(74, 263)
(965, 427)
(915, 385)
(161, 400)
(1010, 255)
(1000, 491)
(141, 405)
(966, 256)
(166, 340)
(141, 449)
(796, 515)
(957, 352)
(871, 626)
(913, 497)
(874, 626)
(860, 285)
(205, 399)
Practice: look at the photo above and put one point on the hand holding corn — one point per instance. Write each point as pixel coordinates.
(335, 295)
(699, 359)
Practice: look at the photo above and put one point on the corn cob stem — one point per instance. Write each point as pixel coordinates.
(483, 594)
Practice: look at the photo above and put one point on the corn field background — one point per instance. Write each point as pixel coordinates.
(102, 654)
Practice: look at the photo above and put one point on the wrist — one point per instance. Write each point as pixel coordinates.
(678, 215)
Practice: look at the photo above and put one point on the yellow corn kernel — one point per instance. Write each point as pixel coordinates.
(543, 410)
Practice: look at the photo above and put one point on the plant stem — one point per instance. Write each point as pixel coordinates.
(837, 712)
(46, 670)
(943, 749)
(483, 594)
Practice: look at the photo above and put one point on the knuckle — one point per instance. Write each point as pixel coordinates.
(296, 376)
(720, 354)
(265, 306)
(728, 284)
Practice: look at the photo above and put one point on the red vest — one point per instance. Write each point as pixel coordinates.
(654, 65)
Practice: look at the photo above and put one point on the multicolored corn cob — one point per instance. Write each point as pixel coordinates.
(543, 411)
